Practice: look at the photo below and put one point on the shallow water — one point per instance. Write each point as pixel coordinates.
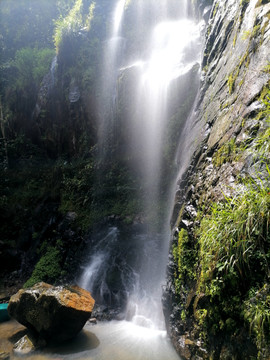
(115, 340)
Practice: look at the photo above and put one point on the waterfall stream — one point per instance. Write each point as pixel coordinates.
(127, 265)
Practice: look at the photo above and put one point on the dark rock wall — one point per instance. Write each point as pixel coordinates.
(232, 154)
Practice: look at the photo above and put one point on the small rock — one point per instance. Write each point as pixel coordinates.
(4, 356)
(93, 321)
(24, 346)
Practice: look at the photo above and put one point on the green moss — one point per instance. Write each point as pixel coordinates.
(231, 81)
(47, 269)
(245, 59)
(185, 257)
(227, 153)
(234, 39)
(215, 9)
(261, 145)
(234, 74)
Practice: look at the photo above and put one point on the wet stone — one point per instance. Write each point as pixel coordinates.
(24, 346)
(4, 356)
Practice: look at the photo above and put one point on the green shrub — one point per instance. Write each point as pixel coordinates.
(257, 313)
(47, 269)
(31, 65)
(233, 231)
(234, 256)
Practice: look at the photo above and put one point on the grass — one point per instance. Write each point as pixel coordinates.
(233, 230)
(234, 257)
(257, 313)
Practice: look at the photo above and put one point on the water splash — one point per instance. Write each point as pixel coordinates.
(92, 271)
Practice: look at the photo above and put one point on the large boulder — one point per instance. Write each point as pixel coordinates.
(52, 313)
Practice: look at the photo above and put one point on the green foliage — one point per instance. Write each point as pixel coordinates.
(184, 256)
(234, 230)
(48, 268)
(77, 19)
(72, 23)
(28, 23)
(257, 313)
(234, 256)
(31, 65)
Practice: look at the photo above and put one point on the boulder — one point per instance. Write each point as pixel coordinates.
(52, 313)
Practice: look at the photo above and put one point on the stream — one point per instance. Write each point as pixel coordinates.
(114, 340)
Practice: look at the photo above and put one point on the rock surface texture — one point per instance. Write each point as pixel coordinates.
(52, 313)
(215, 302)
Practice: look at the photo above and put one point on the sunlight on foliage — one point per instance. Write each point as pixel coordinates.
(70, 24)
(234, 230)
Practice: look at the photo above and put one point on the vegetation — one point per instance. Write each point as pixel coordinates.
(30, 66)
(48, 268)
(234, 255)
(185, 256)
(50, 165)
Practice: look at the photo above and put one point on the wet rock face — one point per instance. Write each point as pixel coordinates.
(52, 313)
(235, 78)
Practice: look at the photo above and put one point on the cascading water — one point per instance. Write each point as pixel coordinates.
(113, 48)
(136, 258)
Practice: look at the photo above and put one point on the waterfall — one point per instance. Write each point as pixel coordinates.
(112, 59)
(118, 16)
(162, 63)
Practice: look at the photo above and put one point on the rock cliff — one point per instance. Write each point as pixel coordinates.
(217, 297)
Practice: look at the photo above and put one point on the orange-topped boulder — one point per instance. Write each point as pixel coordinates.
(52, 313)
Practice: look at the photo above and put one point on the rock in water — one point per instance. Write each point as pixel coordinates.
(24, 346)
(52, 313)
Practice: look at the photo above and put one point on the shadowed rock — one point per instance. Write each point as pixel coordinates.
(52, 313)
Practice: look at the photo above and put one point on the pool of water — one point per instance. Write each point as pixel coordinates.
(115, 340)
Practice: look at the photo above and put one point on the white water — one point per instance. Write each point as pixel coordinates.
(171, 50)
(169, 47)
(171, 54)
(118, 16)
(110, 341)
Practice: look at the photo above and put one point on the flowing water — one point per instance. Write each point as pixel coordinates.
(106, 341)
(127, 269)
